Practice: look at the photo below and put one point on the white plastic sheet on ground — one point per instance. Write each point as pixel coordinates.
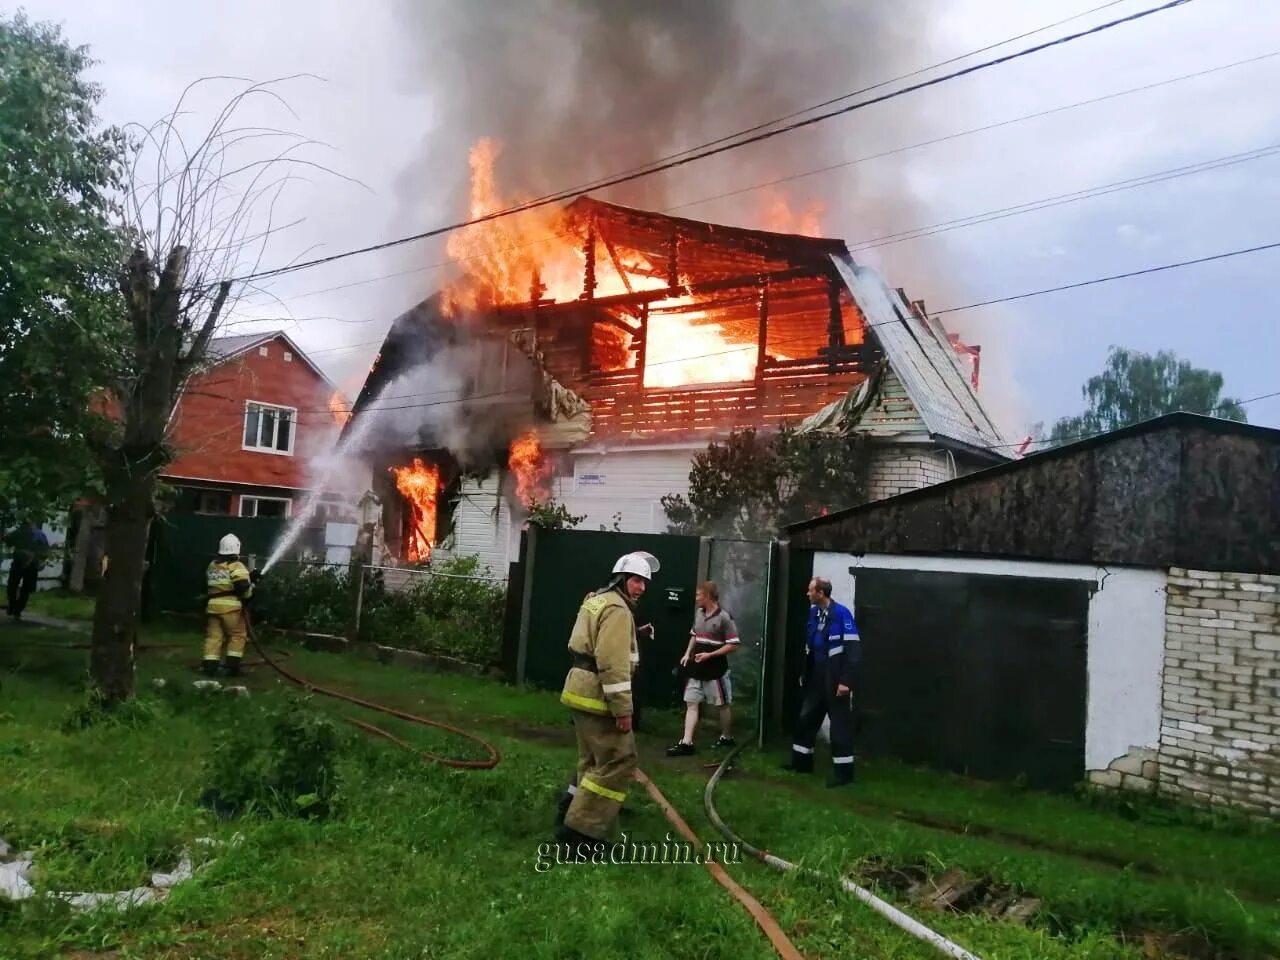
(15, 886)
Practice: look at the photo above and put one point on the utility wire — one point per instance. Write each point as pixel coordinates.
(989, 216)
(1115, 276)
(714, 151)
(934, 313)
(1046, 203)
(813, 172)
(592, 184)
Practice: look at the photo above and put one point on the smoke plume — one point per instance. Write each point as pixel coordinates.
(577, 89)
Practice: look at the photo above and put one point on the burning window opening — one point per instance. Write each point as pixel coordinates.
(419, 485)
(532, 471)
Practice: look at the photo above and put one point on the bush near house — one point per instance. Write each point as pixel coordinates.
(455, 612)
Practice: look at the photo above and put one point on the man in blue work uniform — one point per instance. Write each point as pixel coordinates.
(833, 651)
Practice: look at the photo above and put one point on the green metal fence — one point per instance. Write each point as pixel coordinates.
(182, 547)
(562, 566)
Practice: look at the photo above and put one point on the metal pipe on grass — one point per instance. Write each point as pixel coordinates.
(887, 910)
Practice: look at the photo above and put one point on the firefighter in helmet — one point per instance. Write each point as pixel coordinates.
(230, 587)
(597, 690)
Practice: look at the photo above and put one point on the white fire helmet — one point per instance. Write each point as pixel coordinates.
(639, 563)
(229, 546)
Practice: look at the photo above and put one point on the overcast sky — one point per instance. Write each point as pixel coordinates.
(385, 109)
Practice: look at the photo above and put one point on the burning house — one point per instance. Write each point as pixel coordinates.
(590, 351)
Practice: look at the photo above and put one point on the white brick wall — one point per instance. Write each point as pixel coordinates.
(1220, 726)
(896, 470)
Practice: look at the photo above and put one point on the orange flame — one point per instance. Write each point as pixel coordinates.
(777, 216)
(539, 254)
(338, 407)
(531, 470)
(420, 485)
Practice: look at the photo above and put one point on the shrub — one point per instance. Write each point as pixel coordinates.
(305, 597)
(95, 710)
(448, 614)
(281, 763)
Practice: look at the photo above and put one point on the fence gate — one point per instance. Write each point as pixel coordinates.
(742, 569)
(560, 567)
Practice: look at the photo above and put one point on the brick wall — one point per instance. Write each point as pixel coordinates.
(1220, 730)
(894, 471)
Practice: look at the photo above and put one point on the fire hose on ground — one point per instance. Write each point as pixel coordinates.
(492, 760)
(890, 912)
(762, 917)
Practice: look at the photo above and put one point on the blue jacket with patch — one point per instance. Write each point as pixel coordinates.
(831, 637)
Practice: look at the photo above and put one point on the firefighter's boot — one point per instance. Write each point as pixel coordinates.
(562, 807)
(209, 668)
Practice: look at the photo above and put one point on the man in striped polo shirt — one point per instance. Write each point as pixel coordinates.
(713, 637)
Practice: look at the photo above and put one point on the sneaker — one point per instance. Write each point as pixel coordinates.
(724, 742)
(681, 749)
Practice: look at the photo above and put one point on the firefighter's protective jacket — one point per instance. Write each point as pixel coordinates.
(228, 582)
(605, 656)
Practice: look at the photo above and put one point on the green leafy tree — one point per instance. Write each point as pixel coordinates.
(753, 484)
(61, 331)
(1137, 386)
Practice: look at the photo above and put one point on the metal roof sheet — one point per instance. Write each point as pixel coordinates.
(925, 362)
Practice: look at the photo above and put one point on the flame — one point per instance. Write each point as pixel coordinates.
(539, 254)
(420, 485)
(777, 216)
(531, 470)
(682, 351)
(338, 407)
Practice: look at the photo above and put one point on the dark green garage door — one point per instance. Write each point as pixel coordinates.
(982, 675)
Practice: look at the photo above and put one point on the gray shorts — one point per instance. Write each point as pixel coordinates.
(717, 693)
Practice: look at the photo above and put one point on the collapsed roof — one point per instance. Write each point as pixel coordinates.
(795, 326)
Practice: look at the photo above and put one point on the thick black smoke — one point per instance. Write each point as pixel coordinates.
(577, 89)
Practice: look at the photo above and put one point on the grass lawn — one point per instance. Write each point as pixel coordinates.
(423, 861)
(61, 604)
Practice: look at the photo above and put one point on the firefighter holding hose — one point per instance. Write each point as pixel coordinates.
(597, 690)
(230, 586)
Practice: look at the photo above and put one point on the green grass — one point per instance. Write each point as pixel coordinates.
(61, 604)
(424, 861)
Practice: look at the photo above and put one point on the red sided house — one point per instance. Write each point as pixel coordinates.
(245, 429)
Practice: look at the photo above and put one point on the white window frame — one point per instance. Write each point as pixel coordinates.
(288, 504)
(293, 433)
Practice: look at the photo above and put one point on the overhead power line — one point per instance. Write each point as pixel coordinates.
(1114, 276)
(719, 149)
(439, 265)
(593, 184)
(972, 130)
(933, 313)
(1046, 203)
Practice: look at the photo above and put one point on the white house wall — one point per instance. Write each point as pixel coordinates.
(1125, 653)
(482, 526)
(631, 482)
